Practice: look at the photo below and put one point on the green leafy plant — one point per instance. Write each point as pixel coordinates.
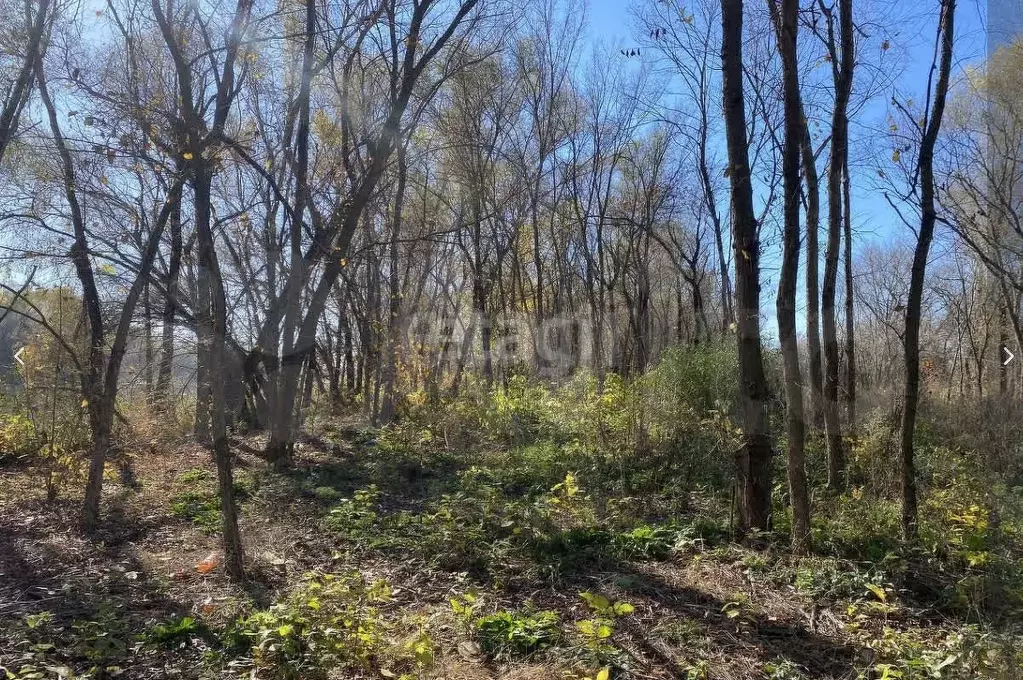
(199, 507)
(329, 621)
(464, 607)
(356, 516)
(175, 631)
(515, 634)
(102, 639)
(597, 631)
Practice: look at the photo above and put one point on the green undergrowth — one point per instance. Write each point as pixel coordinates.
(197, 501)
(566, 522)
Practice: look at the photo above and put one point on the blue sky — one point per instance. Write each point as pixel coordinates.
(913, 31)
(611, 21)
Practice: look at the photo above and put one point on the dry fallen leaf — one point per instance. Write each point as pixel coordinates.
(211, 562)
(469, 650)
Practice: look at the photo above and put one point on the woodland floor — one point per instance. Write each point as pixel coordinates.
(711, 609)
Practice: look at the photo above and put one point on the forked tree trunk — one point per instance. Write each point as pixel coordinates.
(100, 381)
(283, 407)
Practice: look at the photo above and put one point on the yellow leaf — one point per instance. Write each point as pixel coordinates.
(187, 156)
(603, 674)
(878, 591)
(896, 155)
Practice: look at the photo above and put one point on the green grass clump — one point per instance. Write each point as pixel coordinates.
(198, 507)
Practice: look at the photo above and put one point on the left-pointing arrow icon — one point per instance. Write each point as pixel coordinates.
(1009, 356)
(17, 356)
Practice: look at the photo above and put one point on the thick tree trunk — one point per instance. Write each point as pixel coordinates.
(100, 427)
(753, 460)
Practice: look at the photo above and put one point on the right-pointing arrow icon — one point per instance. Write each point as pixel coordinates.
(1009, 356)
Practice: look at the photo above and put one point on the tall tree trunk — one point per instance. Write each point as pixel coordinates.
(388, 409)
(351, 385)
(203, 361)
(727, 314)
(213, 331)
(786, 26)
(92, 378)
(753, 460)
(842, 70)
(850, 306)
(284, 406)
(1003, 341)
(148, 349)
(165, 370)
(928, 217)
(813, 305)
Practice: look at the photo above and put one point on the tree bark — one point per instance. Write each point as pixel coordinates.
(165, 371)
(20, 90)
(213, 330)
(928, 217)
(786, 27)
(813, 305)
(842, 70)
(753, 460)
(850, 306)
(388, 409)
